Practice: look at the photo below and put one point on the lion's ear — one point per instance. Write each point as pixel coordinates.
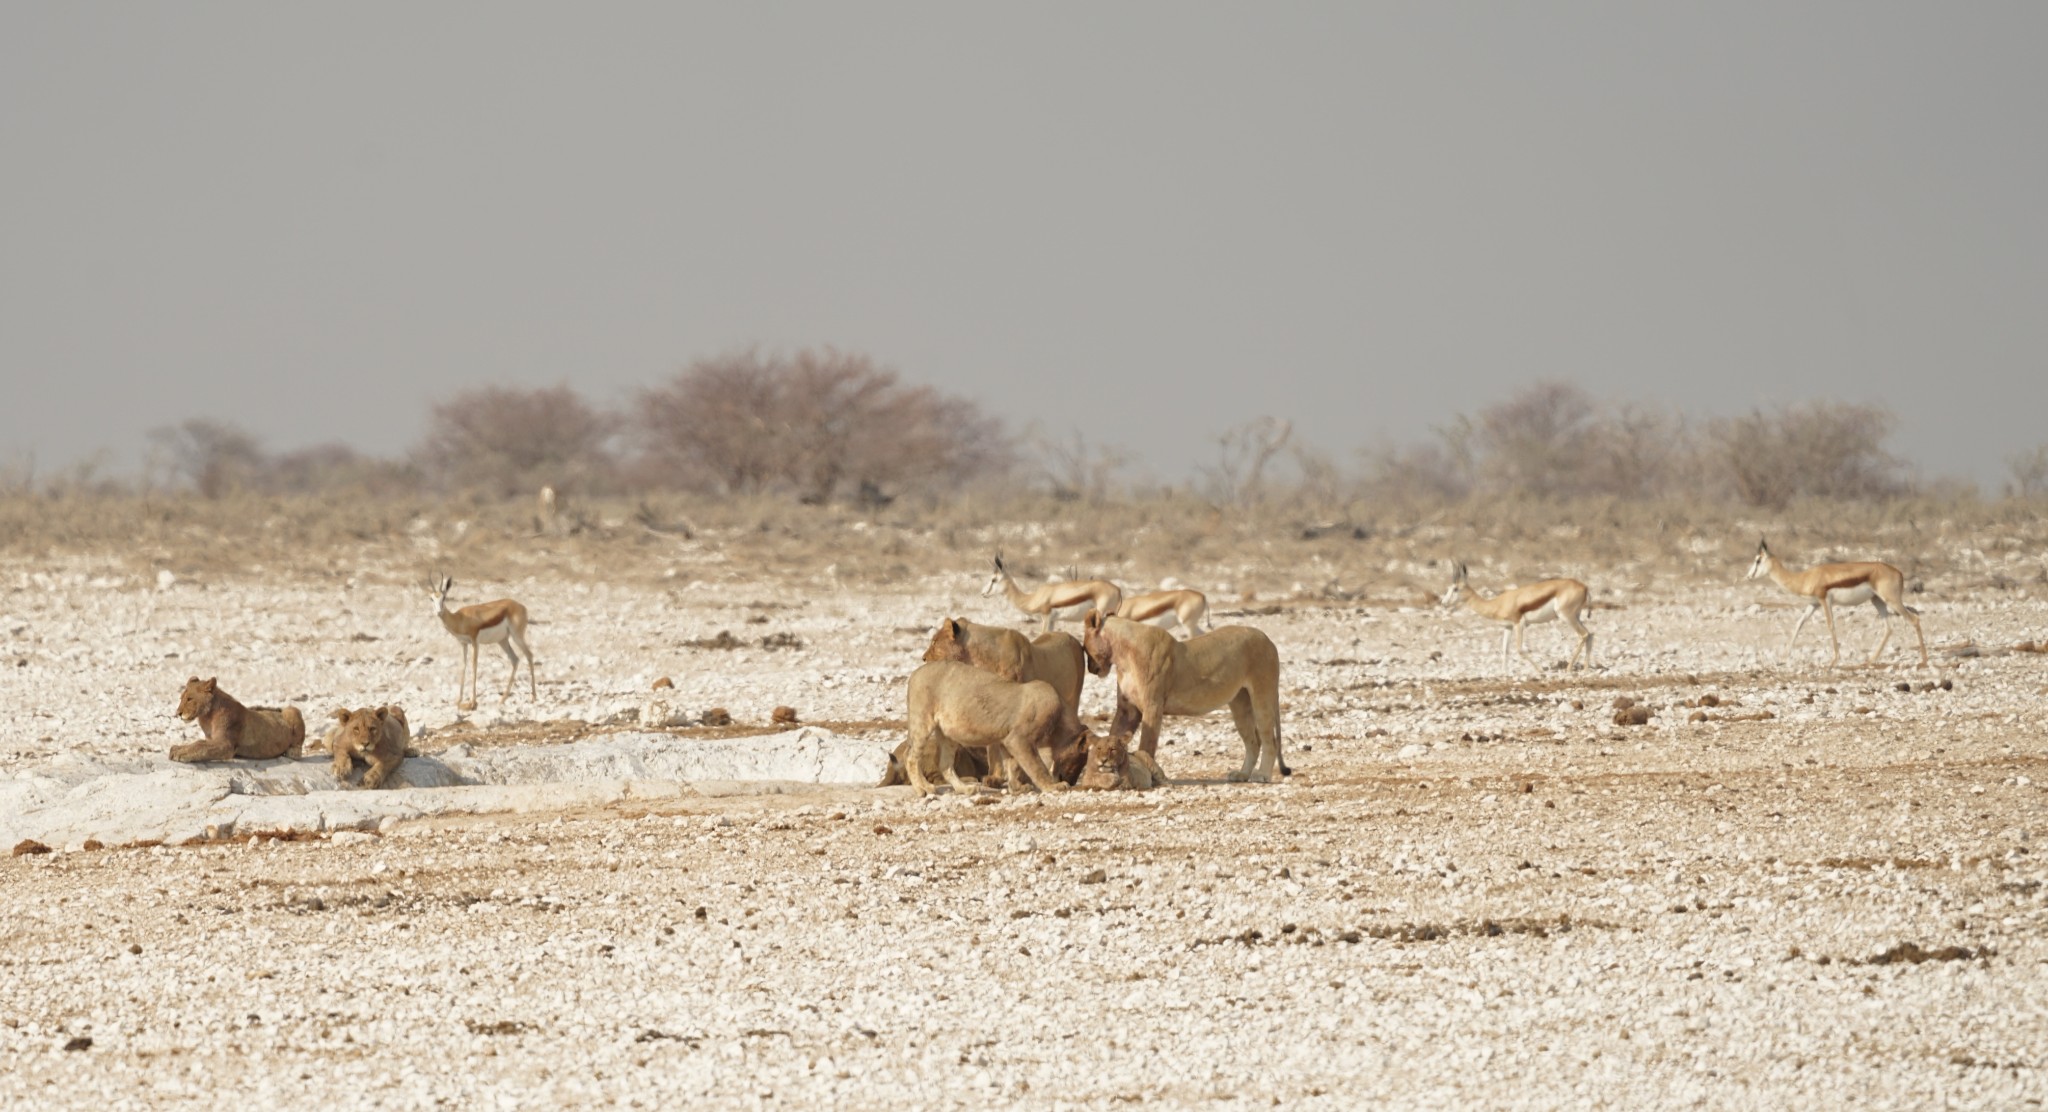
(209, 684)
(953, 629)
(339, 714)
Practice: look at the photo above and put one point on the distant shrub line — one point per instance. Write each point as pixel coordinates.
(819, 426)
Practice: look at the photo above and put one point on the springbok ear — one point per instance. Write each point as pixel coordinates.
(1762, 545)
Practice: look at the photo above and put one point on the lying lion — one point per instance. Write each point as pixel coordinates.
(1157, 676)
(968, 763)
(1054, 657)
(233, 730)
(1113, 767)
(378, 736)
(954, 704)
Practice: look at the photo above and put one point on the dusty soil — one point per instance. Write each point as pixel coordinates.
(1476, 889)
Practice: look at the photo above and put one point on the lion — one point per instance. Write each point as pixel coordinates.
(1113, 767)
(377, 736)
(1055, 658)
(954, 704)
(1157, 675)
(233, 730)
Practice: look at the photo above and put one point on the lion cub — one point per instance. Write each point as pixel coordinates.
(377, 736)
(233, 730)
(1113, 767)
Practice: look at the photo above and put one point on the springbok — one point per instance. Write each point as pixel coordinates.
(1070, 599)
(501, 623)
(1166, 609)
(1518, 606)
(1823, 586)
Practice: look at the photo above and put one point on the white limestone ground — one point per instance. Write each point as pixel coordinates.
(1475, 890)
(70, 802)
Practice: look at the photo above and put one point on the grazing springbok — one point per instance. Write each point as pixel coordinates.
(1518, 606)
(501, 623)
(1056, 601)
(1184, 608)
(1824, 586)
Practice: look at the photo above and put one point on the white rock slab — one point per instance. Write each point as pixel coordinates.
(69, 800)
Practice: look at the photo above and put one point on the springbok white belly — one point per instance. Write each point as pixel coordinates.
(1849, 596)
(1074, 612)
(1544, 613)
(491, 635)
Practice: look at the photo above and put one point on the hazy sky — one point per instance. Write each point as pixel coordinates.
(1145, 221)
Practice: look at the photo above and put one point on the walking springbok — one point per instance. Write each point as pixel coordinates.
(501, 623)
(1166, 609)
(1538, 602)
(1825, 585)
(1071, 599)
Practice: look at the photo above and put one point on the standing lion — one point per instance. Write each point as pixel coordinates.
(954, 704)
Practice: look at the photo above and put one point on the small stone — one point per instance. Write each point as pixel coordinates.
(663, 684)
(28, 846)
(1633, 716)
(716, 716)
(1096, 876)
(1623, 702)
(784, 716)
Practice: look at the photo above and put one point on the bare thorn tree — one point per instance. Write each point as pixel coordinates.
(1242, 454)
(1074, 469)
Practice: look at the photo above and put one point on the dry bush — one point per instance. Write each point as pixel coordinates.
(2027, 474)
(1429, 472)
(816, 424)
(215, 458)
(1823, 450)
(335, 468)
(1074, 469)
(1242, 455)
(505, 441)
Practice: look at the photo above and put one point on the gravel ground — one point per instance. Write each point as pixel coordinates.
(1476, 889)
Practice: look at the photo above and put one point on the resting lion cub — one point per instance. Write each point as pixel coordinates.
(958, 704)
(377, 736)
(233, 730)
(1113, 767)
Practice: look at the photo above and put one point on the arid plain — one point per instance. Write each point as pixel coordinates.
(1476, 889)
